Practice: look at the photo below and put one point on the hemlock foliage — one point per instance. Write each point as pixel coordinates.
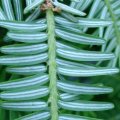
(54, 58)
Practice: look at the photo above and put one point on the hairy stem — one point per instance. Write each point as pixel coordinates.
(52, 65)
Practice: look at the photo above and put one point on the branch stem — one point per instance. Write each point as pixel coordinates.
(53, 99)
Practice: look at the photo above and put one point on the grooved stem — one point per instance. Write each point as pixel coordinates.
(53, 100)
